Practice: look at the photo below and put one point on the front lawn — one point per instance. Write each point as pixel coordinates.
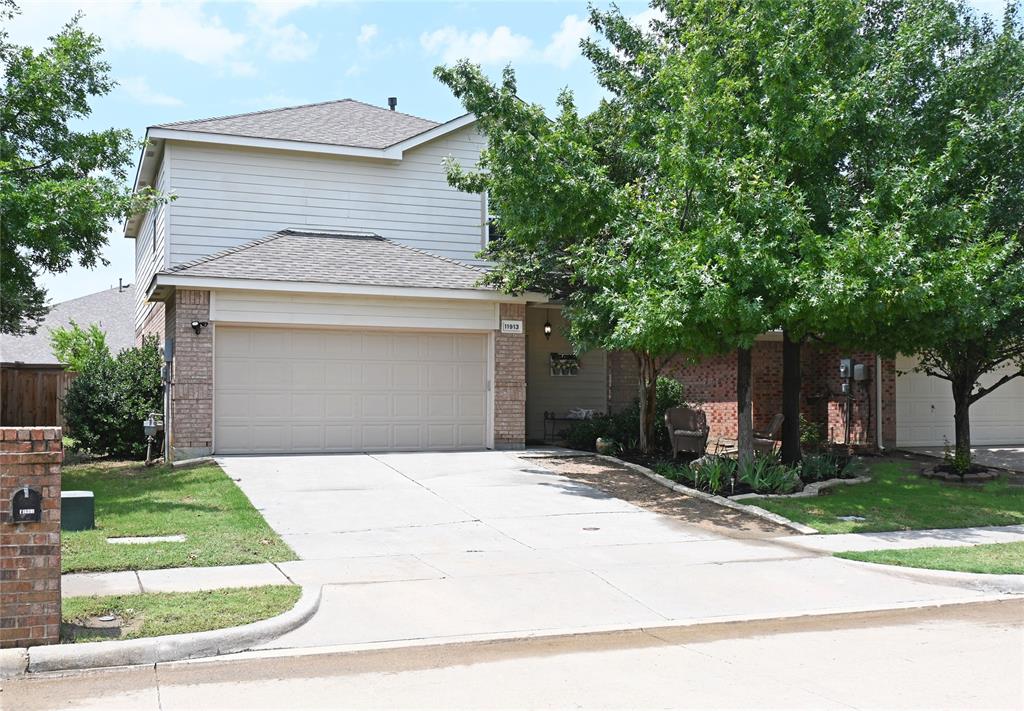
(897, 499)
(155, 614)
(220, 525)
(999, 558)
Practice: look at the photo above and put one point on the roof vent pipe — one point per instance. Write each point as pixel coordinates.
(392, 102)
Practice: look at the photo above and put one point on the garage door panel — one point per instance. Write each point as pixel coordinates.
(924, 410)
(281, 390)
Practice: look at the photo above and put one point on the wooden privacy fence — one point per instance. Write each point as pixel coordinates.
(31, 395)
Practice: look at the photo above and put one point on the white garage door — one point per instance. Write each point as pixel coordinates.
(295, 390)
(924, 410)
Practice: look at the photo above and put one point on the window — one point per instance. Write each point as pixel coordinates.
(492, 231)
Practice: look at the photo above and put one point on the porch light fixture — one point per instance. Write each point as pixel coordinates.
(197, 326)
(547, 328)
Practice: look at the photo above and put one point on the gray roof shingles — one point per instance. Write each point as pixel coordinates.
(335, 258)
(345, 122)
(112, 309)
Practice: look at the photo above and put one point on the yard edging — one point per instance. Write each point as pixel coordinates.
(713, 498)
(811, 490)
(168, 648)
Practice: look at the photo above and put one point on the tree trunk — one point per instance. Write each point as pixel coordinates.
(744, 405)
(962, 387)
(790, 400)
(648, 399)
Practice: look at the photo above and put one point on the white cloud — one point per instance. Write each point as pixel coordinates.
(499, 46)
(190, 29)
(564, 47)
(366, 34)
(643, 19)
(283, 43)
(140, 90)
(355, 70)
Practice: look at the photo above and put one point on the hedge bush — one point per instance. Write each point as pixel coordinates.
(106, 404)
(624, 426)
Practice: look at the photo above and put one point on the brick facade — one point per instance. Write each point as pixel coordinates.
(153, 325)
(30, 552)
(191, 429)
(711, 384)
(510, 383)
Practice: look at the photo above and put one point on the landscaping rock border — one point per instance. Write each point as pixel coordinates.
(714, 498)
(931, 471)
(151, 650)
(812, 489)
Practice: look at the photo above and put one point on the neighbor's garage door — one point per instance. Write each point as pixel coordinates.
(924, 410)
(294, 390)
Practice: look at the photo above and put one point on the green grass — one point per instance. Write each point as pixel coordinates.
(220, 525)
(999, 558)
(897, 499)
(155, 614)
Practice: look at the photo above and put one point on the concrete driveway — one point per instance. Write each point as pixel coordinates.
(463, 545)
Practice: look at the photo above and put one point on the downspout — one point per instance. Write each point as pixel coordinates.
(878, 403)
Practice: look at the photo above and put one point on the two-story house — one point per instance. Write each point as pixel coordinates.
(316, 285)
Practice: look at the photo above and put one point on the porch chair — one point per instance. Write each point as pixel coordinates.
(766, 441)
(687, 430)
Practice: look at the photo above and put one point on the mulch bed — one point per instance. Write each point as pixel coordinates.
(624, 483)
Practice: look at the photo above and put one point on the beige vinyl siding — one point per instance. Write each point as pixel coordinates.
(255, 307)
(553, 393)
(229, 196)
(147, 259)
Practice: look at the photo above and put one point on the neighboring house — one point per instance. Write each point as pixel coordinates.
(32, 380)
(318, 283)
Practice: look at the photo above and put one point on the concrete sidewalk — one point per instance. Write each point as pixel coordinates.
(397, 568)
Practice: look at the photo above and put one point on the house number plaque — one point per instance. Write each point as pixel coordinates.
(509, 326)
(26, 506)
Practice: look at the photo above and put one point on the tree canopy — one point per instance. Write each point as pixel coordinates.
(60, 188)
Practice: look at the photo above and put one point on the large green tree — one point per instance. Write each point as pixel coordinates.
(60, 188)
(933, 263)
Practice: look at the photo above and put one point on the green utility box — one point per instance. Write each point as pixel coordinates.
(77, 511)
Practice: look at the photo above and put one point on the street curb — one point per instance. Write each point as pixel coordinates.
(669, 627)
(713, 498)
(169, 648)
(1002, 584)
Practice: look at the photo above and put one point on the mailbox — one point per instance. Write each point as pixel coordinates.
(26, 506)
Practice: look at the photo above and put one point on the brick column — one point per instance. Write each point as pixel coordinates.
(30, 552)
(192, 379)
(510, 383)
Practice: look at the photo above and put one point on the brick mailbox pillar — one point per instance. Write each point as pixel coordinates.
(30, 460)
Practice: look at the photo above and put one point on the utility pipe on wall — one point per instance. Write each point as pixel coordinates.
(878, 402)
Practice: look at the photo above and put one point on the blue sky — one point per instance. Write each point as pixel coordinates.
(195, 59)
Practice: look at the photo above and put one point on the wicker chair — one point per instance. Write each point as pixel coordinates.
(766, 441)
(687, 430)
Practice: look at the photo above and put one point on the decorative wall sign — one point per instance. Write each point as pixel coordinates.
(564, 364)
(510, 326)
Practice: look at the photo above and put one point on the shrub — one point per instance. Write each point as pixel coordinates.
(624, 426)
(818, 467)
(765, 475)
(75, 346)
(712, 473)
(810, 434)
(106, 404)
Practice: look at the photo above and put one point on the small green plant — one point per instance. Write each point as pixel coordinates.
(959, 462)
(810, 434)
(713, 473)
(819, 466)
(765, 475)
